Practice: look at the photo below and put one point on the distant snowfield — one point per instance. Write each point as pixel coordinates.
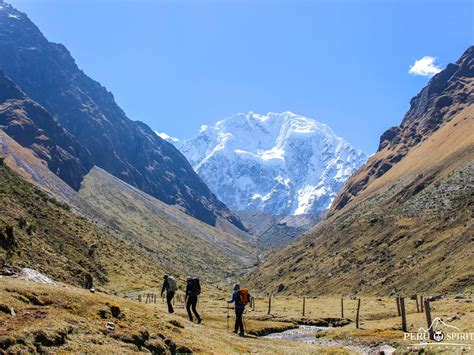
(166, 137)
(279, 163)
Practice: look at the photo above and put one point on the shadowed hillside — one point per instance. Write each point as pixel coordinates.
(32, 126)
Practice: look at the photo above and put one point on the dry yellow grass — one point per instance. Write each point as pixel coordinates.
(69, 319)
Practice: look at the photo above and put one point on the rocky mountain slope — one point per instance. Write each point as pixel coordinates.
(410, 229)
(164, 233)
(277, 231)
(127, 149)
(446, 94)
(39, 232)
(31, 125)
(25, 163)
(279, 163)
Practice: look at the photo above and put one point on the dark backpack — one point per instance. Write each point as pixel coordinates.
(194, 287)
(243, 296)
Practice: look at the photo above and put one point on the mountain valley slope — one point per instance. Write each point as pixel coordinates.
(166, 234)
(408, 230)
(174, 240)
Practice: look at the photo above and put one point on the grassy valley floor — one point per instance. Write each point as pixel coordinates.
(65, 318)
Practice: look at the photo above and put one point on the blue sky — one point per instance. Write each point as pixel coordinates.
(179, 64)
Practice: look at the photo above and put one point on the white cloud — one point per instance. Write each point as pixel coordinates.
(166, 137)
(425, 67)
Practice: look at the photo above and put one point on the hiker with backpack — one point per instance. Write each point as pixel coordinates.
(193, 290)
(241, 297)
(170, 286)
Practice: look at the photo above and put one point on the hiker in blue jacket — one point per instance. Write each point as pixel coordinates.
(239, 310)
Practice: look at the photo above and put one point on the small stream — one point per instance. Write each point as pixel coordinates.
(307, 334)
(304, 334)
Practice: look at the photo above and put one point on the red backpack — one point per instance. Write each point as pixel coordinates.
(244, 296)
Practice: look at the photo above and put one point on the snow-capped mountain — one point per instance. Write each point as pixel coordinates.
(279, 163)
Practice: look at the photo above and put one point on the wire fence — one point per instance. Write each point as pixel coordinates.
(314, 306)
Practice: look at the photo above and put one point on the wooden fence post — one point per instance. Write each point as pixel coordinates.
(421, 301)
(269, 304)
(428, 317)
(304, 305)
(357, 315)
(342, 307)
(398, 306)
(404, 316)
(140, 297)
(417, 305)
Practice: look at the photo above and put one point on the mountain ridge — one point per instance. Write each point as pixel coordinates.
(279, 163)
(127, 149)
(447, 93)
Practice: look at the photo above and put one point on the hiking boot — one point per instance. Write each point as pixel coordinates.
(199, 321)
(241, 334)
(235, 331)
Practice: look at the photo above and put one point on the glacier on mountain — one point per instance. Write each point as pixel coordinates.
(279, 163)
